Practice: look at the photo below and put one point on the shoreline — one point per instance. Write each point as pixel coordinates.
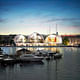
(42, 46)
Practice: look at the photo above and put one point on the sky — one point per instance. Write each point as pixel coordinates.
(42, 16)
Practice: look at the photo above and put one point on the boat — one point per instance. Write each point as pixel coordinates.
(1, 55)
(8, 59)
(30, 57)
(22, 51)
(39, 53)
(57, 56)
(43, 53)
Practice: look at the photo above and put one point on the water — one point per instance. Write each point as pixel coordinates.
(66, 68)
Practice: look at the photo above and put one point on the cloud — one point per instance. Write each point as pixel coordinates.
(63, 19)
(76, 23)
(2, 20)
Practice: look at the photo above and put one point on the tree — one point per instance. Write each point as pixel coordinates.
(65, 41)
(12, 42)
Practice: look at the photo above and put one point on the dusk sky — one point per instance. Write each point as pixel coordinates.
(28, 16)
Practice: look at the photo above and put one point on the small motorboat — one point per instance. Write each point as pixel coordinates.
(57, 55)
(8, 59)
(1, 55)
(43, 53)
(38, 53)
(23, 51)
(30, 57)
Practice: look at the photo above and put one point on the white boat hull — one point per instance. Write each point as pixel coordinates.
(31, 58)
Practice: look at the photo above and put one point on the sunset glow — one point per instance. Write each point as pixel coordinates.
(28, 16)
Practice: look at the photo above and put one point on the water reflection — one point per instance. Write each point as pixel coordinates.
(56, 69)
(52, 49)
(66, 68)
(47, 69)
(13, 50)
(9, 50)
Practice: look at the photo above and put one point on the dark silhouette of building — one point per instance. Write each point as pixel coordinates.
(73, 39)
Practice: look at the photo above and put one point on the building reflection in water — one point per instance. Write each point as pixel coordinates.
(52, 49)
(52, 69)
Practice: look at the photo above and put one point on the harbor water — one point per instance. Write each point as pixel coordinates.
(66, 68)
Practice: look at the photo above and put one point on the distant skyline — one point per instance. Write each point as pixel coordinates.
(28, 16)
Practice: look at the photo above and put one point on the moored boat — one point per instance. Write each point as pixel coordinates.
(30, 57)
(57, 55)
(8, 59)
(1, 55)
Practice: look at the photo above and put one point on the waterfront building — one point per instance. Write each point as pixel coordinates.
(36, 38)
(73, 39)
(20, 40)
(6, 39)
(53, 39)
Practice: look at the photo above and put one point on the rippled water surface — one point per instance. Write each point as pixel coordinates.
(66, 68)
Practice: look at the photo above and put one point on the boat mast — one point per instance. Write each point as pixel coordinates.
(49, 30)
(56, 30)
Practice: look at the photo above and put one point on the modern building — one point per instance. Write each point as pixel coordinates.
(54, 39)
(19, 39)
(36, 38)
